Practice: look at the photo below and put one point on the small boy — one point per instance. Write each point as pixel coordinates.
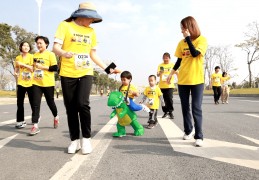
(130, 91)
(153, 94)
(216, 84)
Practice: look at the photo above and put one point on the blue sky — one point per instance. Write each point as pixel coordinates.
(134, 34)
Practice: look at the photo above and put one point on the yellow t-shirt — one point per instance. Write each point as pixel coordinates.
(25, 76)
(44, 78)
(191, 71)
(153, 95)
(216, 79)
(131, 89)
(79, 40)
(224, 80)
(167, 68)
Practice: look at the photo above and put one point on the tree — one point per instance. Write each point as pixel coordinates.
(225, 58)
(210, 61)
(217, 55)
(251, 47)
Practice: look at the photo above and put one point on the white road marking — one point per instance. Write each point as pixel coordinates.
(238, 154)
(77, 160)
(253, 115)
(12, 121)
(5, 112)
(3, 142)
(250, 101)
(250, 139)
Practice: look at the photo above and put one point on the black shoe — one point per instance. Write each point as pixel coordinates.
(171, 116)
(164, 115)
(151, 126)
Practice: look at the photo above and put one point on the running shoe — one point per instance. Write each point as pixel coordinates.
(34, 131)
(20, 125)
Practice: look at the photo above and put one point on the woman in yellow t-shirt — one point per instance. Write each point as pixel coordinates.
(75, 43)
(23, 71)
(190, 53)
(167, 89)
(45, 64)
(225, 87)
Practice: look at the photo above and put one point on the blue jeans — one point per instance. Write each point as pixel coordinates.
(197, 96)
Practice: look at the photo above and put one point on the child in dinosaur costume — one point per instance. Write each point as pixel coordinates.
(125, 115)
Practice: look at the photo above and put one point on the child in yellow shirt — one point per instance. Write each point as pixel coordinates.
(130, 92)
(153, 93)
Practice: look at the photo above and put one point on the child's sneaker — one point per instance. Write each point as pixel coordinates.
(56, 122)
(151, 125)
(34, 131)
(20, 125)
(145, 108)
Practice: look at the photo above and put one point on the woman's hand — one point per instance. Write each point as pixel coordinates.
(30, 68)
(168, 80)
(67, 55)
(115, 71)
(186, 33)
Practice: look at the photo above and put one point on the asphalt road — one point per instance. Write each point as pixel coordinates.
(231, 149)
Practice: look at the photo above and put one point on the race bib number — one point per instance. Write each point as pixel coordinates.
(217, 79)
(150, 101)
(164, 77)
(82, 61)
(26, 76)
(38, 74)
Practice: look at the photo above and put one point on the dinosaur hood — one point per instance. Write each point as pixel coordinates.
(116, 99)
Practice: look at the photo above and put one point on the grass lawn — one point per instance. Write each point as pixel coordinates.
(7, 93)
(238, 91)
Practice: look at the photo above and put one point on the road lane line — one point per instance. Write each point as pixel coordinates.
(12, 121)
(252, 115)
(233, 153)
(3, 142)
(250, 139)
(67, 171)
(250, 101)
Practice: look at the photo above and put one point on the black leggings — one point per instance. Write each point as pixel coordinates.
(37, 95)
(21, 91)
(168, 98)
(76, 94)
(217, 93)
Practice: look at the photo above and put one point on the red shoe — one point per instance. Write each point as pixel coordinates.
(34, 131)
(56, 122)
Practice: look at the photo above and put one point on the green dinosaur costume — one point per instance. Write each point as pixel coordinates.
(125, 115)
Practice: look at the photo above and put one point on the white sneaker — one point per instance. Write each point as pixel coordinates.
(74, 146)
(145, 108)
(86, 146)
(188, 137)
(226, 102)
(198, 143)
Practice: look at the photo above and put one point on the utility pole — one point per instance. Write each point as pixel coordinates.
(39, 3)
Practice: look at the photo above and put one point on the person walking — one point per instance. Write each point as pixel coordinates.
(216, 84)
(190, 53)
(153, 94)
(167, 89)
(45, 64)
(225, 87)
(23, 71)
(75, 43)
